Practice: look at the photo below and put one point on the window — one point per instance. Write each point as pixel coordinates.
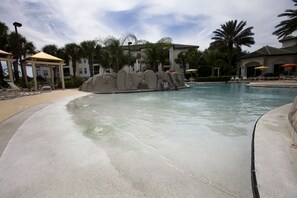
(80, 71)
(278, 69)
(45, 72)
(138, 55)
(86, 70)
(66, 71)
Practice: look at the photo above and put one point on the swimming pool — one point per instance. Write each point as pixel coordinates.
(187, 143)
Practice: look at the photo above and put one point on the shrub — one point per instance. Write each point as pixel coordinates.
(74, 82)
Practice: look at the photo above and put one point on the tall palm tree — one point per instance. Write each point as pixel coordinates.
(233, 34)
(114, 48)
(50, 49)
(102, 56)
(182, 59)
(73, 51)
(194, 57)
(3, 46)
(287, 27)
(25, 47)
(156, 53)
(88, 51)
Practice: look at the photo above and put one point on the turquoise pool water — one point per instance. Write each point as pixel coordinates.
(186, 143)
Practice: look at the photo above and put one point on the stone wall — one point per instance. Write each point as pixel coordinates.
(293, 121)
(123, 81)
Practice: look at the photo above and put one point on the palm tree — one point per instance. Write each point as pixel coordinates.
(50, 49)
(182, 59)
(102, 56)
(233, 35)
(288, 26)
(73, 51)
(3, 46)
(114, 48)
(156, 53)
(194, 57)
(88, 51)
(25, 47)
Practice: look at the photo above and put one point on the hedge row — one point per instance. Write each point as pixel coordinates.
(74, 82)
(213, 79)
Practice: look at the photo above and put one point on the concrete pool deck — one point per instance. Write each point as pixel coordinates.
(275, 83)
(40, 163)
(275, 155)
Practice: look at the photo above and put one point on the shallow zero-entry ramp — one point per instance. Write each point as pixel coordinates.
(275, 155)
(48, 156)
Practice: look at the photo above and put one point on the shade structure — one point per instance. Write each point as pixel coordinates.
(191, 70)
(2, 52)
(289, 65)
(262, 67)
(41, 56)
(8, 58)
(48, 61)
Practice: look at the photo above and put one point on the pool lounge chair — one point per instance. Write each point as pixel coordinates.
(14, 91)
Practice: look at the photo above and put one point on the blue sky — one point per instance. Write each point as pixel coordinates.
(185, 21)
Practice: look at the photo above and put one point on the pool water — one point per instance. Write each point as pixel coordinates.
(186, 143)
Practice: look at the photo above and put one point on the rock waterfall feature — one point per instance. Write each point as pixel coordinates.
(124, 81)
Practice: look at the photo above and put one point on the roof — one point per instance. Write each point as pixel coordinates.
(288, 38)
(44, 57)
(268, 51)
(291, 48)
(4, 52)
(138, 47)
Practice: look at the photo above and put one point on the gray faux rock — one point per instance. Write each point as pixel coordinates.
(129, 81)
(151, 79)
(120, 81)
(106, 82)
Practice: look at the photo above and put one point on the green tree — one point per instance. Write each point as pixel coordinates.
(194, 57)
(233, 34)
(115, 50)
(73, 52)
(25, 47)
(88, 51)
(50, 49)
(182, 59)
(287, 27)
(157, 53)
(102, 56)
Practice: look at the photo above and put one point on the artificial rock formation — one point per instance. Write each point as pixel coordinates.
(123, 81)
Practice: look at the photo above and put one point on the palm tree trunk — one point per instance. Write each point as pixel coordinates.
(74, 66)
(1, 75)
(91, 66)
(16, 71)
(230, 55)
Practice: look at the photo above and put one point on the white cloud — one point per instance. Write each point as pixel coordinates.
(64, 21)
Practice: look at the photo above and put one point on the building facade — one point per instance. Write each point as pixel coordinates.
(271, 57)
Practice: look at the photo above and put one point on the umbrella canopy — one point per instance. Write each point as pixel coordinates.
(191, 70)
(289, 65)
(262, 67)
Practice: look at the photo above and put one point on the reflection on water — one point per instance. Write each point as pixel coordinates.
(203, 131)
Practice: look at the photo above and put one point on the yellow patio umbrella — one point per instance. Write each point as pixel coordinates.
(262, 67)
(191, 70)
